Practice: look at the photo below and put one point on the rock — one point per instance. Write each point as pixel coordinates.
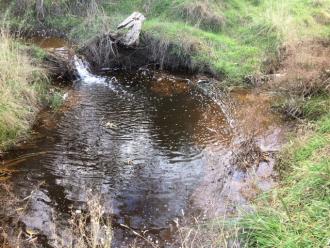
(110, 125)
(65, 96)
(31, 231)
(203, 81)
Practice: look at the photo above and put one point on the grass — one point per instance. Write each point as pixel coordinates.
(24, 87)
(296, 214)
(19, 80)
(234, 39)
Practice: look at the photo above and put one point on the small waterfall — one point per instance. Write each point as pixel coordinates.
(82, 68)
(88, 78)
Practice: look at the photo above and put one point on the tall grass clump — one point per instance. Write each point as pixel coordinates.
(20, 82)
(204, 14)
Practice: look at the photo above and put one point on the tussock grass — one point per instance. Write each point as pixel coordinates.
(202, 13)
(214, 233)
(20, 84)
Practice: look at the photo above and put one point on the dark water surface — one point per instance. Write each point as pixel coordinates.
(143, 145)
(138, 144)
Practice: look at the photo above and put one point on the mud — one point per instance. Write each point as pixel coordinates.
(103, 52)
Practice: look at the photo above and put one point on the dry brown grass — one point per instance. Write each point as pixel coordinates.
(305, 73)
(306, 69)
(214, 233)
(87, 228)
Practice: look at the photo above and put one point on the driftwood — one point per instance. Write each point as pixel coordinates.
(131, 38)
(40, 10)
(134, 23)
(59, 64)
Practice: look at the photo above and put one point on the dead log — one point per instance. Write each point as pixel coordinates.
(134, 23)
(60, 66)
(40, 10)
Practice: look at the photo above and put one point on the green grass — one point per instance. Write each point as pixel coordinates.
(297, 213)
(55, 100)
(225, 55)
(316, 107)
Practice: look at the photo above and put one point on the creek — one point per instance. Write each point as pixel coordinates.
(155, 150)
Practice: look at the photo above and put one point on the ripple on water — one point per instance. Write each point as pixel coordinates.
(143, 150)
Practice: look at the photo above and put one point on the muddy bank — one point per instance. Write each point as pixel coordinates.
(104, 52)
(58, 59)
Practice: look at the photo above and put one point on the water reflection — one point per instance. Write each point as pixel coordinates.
(142, 150)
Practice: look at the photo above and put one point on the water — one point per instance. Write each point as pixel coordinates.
(140, 148)
(144, 146)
